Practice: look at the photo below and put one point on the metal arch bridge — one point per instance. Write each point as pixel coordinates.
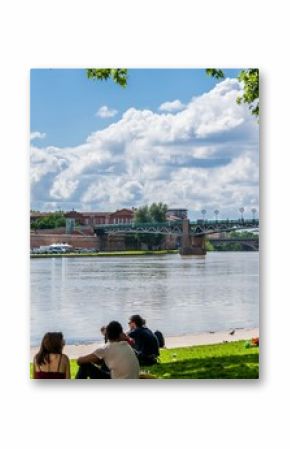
(195, 228)
(252, 243)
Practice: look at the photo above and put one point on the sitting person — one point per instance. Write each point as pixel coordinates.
(117, 355)
(123, 336)
(145, 342)
(50, 362)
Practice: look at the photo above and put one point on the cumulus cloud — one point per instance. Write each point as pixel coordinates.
(106, 112)
(171, 106)
(204, 156)
(37, 135)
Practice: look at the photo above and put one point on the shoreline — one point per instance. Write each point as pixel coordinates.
(203, 338)
(107, 254)
(132, 253)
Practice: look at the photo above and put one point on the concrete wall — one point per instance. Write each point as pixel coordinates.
(110, 243)
(106, 243)
(77, 241)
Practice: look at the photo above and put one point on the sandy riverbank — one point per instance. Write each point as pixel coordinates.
(205, 338)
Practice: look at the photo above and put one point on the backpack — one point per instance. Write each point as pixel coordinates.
(160, 338)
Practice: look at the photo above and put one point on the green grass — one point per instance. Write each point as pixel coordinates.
(219, 361)
(106, 254)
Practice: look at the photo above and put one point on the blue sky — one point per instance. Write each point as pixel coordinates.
(64, 101)
(173, 135)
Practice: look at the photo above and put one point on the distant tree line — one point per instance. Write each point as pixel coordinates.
(51, 221)
(232, 246)
(155, 213)
(244, 235)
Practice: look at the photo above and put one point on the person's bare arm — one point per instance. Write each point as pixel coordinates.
(67, 369)
(34, 369)
(90, 358)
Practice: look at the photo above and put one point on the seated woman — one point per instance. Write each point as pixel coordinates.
(50, 362)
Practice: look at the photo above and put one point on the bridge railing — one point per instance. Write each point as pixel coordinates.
(135, 225)
(253, 221)
(198, 227)
(177, 222)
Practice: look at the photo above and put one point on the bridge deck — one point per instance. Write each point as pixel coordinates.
(198, 227)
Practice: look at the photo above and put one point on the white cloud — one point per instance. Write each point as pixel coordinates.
(106, 112)
(205, 156)
(171, 106)
(37, 135)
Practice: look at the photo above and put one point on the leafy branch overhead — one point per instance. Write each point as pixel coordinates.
(119, 76)
(215, 73)
(250, 80)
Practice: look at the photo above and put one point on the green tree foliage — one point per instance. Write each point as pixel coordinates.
(156, 213)
(119, 76)
(250, 80)
(51, 221)
(231, 246)
(208, 245)
(244, 235)
(236, 246)
(215, 73)
(249, 77)
(141, 215)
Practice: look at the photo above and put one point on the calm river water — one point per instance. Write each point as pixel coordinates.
(178, 295)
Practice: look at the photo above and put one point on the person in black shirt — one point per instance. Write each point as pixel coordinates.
(145, 342)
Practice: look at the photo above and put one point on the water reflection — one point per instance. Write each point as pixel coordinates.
(176, 294)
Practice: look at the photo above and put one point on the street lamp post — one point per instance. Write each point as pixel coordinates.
(203, 213)
(242, 210)
(254, 213)
(216, 212)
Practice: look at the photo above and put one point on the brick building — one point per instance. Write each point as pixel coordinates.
(122, 216)
(176, 214)
(88, 218)
(95, 218)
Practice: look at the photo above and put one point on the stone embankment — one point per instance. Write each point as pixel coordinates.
(77, 241)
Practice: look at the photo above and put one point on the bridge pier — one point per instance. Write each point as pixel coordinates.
(107, 242)
(102, 242)
(191, 245)
(198, 245)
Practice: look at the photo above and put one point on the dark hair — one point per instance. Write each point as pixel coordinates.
(114, 330)
(104, 332)
(52, 343)
(138, 320)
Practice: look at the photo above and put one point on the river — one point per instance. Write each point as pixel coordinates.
(178, 295)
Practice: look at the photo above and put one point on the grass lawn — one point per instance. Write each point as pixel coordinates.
(219, 361)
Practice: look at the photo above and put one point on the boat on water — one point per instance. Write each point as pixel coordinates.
(60, 247)
(54, 248)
